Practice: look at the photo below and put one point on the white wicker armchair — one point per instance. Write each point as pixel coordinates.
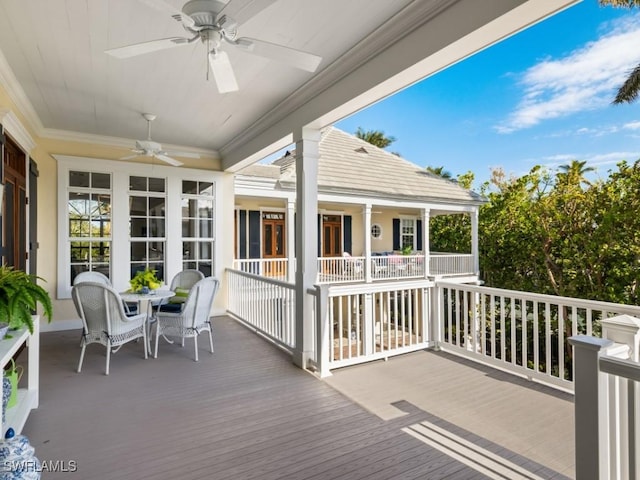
(93, 276)
(184, 281)
(104, 320)
(194, 317)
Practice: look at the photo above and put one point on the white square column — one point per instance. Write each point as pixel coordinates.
(367, 242)
(291, 241)
(426, 247)
(474, 241)
(307, 154)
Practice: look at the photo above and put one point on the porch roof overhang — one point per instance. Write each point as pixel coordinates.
(343, 195)
(54, 72)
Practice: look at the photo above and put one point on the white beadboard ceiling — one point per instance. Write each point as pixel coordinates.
(55, 50)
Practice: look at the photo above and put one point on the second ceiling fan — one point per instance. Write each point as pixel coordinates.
(216, 24)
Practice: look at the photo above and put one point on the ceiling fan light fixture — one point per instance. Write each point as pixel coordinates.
(150, 148)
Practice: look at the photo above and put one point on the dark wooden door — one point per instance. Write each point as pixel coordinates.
(331, 236)
(14, 215)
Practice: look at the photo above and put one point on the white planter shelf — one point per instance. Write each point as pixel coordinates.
(28, 398)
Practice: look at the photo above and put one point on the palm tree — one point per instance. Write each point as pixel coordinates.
(441, 172)
(375, 137)
(630, 89)
(575, 171)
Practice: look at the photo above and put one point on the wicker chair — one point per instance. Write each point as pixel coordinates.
(194, 317)
(104, 320)
(90, 276)
(184, 281)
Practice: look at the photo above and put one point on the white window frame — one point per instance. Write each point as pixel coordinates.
(198, 239)
(379, 227)
(90, 190)
(120, 247)
(147, 194)
(414, 222)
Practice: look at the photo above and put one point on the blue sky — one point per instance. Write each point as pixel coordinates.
(540, 97)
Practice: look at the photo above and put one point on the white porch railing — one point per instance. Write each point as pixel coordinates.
(335, 270)
(524, 333)
(265, 304)
(361, 323)
(451, 264)
(520, 332)
(340, 269)
(607, 410)
(397, 267)
(267, 267)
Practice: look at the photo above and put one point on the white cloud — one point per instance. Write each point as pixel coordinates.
(592, 159)
(586, 79)
(632, 125)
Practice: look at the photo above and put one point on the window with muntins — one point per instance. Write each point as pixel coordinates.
(197, 206)
(120, 217)
(89, 222)
(407, 233)
(147, 227)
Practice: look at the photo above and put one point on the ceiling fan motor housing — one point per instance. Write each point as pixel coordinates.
(205, 15)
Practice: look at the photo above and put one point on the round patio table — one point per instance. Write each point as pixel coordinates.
(144, 301)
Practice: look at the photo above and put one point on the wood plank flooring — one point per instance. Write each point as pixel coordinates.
(244, 412)
(528, 418)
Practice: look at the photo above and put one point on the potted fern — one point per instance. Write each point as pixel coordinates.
(19, 296)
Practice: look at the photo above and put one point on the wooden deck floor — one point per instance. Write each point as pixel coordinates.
(243, 412)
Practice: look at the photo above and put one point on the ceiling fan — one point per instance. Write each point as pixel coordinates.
(215, 24)
(149, 148)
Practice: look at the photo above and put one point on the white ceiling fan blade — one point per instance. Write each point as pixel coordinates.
(183, 154)
(129, 157)
(167, 159)
(243, 11)
(176, 13)
(280, 53)
(223, 72)
(146, 47)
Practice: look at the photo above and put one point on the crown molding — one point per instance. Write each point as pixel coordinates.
(16, 129)
(118, 142)
(17, 95)
(404, 22)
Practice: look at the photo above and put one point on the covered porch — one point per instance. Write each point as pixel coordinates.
(373, 217)
(247, 412)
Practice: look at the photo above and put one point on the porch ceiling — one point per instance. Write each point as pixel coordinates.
(53, 66)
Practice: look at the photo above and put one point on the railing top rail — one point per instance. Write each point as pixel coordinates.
(259, 260)
(379, 286)
(262, 278)
(542, 297)
(620, 367)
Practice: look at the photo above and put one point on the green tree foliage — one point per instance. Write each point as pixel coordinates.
(629, 90)
(554, 233)
(375, 137)
(440, 172)
(560, 235)
(574, 171)
(451, 233)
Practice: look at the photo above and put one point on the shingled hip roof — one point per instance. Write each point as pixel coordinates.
(349, 165)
